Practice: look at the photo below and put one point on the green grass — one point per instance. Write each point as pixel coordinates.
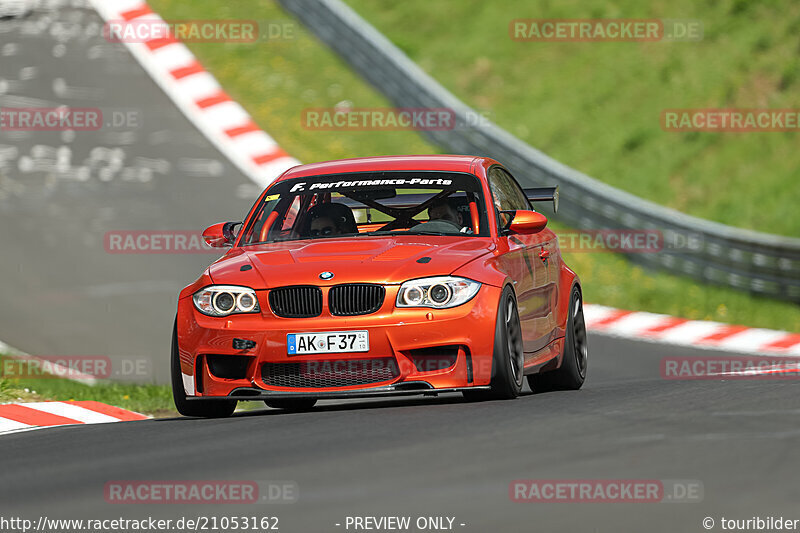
(593, 106)
(11, 392)
(154, 400)
(596, 105)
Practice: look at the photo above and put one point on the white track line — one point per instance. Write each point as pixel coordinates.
(7, 425)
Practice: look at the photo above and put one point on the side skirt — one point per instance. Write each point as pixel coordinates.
(548, 358)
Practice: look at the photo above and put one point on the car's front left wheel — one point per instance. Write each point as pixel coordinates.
(204, 408)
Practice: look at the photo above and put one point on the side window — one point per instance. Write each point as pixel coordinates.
(507, 194)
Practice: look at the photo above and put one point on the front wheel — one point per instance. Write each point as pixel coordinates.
(508, 358)
(198, 408)
(572, 372)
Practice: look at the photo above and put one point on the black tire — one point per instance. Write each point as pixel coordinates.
(196, 408)
(508, 357)
(572, 372)
(292, 404)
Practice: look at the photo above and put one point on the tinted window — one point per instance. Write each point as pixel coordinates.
(360, 205)
(507, 195)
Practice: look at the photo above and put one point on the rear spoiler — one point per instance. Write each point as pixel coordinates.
(543, 194)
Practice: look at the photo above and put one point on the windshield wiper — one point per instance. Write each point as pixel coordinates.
(423, 232)
(409, 232)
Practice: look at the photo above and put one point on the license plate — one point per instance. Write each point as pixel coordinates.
(327, 342)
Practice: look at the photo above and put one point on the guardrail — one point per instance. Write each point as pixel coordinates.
(751, 261)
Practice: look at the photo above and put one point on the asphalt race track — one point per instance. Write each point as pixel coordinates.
(446, 457)
(60, 192)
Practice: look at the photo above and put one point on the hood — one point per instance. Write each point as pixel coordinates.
(382, 260)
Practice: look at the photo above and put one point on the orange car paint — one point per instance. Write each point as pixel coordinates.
(542, 288)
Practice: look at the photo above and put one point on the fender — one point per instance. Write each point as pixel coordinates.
(202, 281)
(568, 278)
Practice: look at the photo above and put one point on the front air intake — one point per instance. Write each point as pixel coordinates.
(326, 374)
(228, 366)
(355, 299)
(296, 302)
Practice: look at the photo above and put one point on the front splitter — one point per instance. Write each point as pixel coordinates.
(249, 394)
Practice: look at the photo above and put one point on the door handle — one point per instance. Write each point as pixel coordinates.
(543, 255)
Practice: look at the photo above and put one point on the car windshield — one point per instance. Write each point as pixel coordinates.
(365, 204)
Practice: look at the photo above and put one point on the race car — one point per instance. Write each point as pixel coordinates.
(381, 276)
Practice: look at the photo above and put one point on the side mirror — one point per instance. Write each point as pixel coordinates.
(527, 222)
(220, 235)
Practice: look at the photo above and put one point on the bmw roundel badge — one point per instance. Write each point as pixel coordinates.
(326, 275)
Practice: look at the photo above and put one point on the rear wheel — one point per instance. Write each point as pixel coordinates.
(508, 358)
(292, 404)
(199, 408)
(572, 372)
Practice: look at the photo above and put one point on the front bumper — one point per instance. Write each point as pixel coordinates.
(410, 351)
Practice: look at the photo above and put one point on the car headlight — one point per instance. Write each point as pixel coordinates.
(224, 300)
(441, 292)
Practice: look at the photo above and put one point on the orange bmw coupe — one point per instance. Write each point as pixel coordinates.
(381, 276)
